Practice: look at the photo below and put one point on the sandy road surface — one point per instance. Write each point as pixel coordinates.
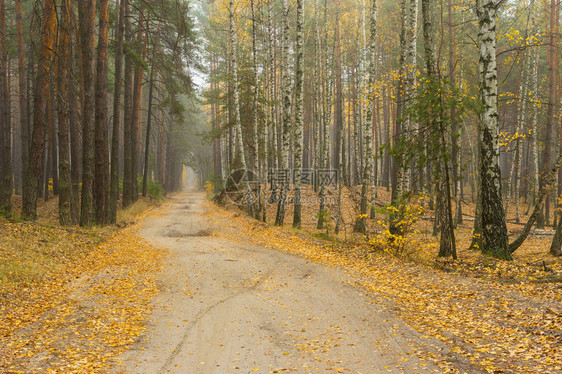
(230, 307)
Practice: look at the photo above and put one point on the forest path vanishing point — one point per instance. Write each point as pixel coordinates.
(233, 307)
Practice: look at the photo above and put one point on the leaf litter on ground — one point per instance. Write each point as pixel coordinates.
(72, 298)
(474, 306)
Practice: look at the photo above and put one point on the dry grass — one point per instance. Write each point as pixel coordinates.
(31, 252)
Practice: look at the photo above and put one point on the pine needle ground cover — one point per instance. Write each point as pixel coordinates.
(503, 316)
(72, 298)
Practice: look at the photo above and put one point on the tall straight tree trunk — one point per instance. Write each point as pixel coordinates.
(114, 183)
(6, 182)
(534, 129)
(75, 127)
(128, 142)
(494, 230)
(551, 107)
(410, 90)
(397, 179)
(240, 154)
(87, 15)
(286, 118)
(22, 86)
(338, 110)
(447, 246)
(33, 172)
(136, 120)
(53, 141)
(526, 81)
(367, 125)
(148, 129)
(273, 103)
(101, 187)
(317, 102)
(63, 59)
(326, 120)
(455, 149)
(299, 121)
(255, 107)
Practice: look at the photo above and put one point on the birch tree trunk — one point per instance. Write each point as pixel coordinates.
(367, 125)
(327, 92)
(410, 90)
(299, 121)
(257, 165)
(401, 96)
(494, 230)
(286, 120)
(317, 97)
(240, 158)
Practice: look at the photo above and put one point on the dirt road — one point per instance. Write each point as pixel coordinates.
(229, 307)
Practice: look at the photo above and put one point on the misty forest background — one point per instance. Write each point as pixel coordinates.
(449, 105)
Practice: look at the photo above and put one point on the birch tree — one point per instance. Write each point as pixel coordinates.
(299, 121)
(367, 125)
(286, 118)
(494, 230)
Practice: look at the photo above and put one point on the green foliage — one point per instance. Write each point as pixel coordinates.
(153, 189)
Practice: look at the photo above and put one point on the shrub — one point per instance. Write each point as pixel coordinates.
(408, 212)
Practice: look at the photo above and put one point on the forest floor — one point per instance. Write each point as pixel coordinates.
(71, 298)
(503, 316)
(193, 287)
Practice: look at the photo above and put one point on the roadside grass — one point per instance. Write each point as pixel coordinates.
(32, 251)
(72, 298)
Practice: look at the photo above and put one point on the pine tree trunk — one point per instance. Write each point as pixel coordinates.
(33, 172)
(6, 182)
(75, 131)
(116, 131)
(87, 15)
(148, 129)
(136, 120)
(494, 230)
(22, 88)
(101, 184)
(128, 141)
(65, 182)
